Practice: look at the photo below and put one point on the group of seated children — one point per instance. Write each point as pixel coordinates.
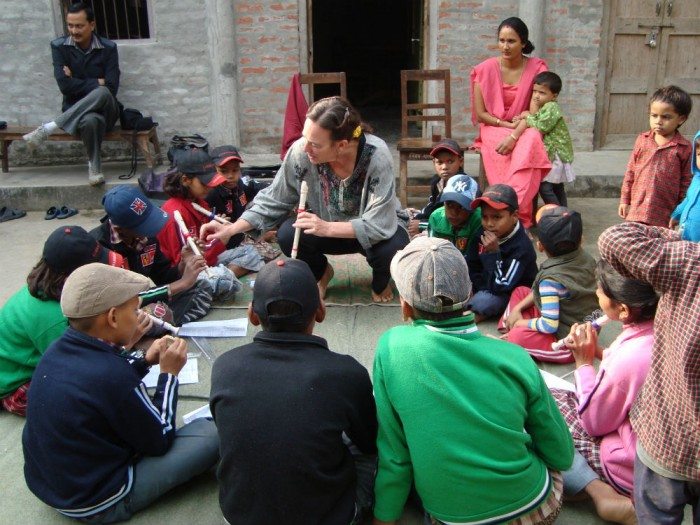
(137, 235)
(300, 435)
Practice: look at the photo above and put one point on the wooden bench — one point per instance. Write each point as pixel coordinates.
(143, 141)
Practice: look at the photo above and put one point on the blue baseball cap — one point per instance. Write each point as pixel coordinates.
(461, 189)
(129, 208)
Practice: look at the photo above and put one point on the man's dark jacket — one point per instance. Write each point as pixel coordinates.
(86, 68)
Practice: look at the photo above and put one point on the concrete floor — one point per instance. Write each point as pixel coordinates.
(350, 329)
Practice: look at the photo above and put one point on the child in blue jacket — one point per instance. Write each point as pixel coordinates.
(687, 213)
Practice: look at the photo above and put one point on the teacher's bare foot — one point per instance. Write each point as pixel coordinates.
(384, 296)
(325, 280)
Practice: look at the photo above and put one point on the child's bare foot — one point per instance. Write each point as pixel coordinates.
(238, 271)
(384, 296)
(610, 505)
(325, 280)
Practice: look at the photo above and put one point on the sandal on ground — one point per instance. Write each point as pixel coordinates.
(8, 214)
(51, 213)
(66, 212)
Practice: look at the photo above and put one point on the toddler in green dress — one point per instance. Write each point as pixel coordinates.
(549, 120)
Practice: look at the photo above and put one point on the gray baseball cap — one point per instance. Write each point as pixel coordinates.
(427, 270)
(95, 288)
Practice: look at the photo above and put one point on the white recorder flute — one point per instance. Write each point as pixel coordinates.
(188, 238)
(595, 323)
(302, 207)
(164, 324)
(210, 214)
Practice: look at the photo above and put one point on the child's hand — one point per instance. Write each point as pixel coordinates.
(672, 224)
(513, 318)
(582, 341)
(192, 267)
(623, 210)
(413, 227)
(172, 353)
(269, 236)
(489, 242)
(143, 325)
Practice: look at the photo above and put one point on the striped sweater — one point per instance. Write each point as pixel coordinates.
(89, 419)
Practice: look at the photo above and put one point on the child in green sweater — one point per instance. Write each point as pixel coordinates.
(456, 221)
(452, 405)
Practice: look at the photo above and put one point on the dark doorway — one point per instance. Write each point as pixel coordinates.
(372, 41)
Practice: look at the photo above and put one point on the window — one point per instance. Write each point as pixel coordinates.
(117, 19)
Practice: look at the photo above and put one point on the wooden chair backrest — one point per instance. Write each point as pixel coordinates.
(415, 112)
(311, 79)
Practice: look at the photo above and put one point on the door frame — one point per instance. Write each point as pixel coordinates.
(603, 76)
(429, 36)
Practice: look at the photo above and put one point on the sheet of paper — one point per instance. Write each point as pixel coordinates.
(204, 411)
(188, 375)
(222, 328)
(553, 381)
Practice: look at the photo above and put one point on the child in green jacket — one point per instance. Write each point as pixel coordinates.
(456, 221)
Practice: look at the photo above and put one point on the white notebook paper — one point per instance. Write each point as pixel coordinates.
(188, 375)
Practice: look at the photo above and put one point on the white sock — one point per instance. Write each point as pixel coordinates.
(50, 127)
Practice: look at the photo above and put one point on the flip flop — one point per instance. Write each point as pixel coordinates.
(66, 212)
(8, 214)
(51, 213)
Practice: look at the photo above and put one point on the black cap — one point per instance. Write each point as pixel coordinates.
(224, 154)
(70, 247)
(450, 145)
(560, 230)
(498, 196)
(197, 163)
(286, 280)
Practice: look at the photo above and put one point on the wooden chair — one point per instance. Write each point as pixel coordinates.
(311, 79)
(439, 112)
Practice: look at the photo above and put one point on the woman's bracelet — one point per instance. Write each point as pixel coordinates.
(515, 139)
(498, 122)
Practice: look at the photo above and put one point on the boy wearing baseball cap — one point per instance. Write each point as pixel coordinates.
(96, 446)
(285, 406)
(503, 258)
(231, 199)
(192, 179)
(452, 405)
(563, 292)
(455, 220)
(130, 229)
(448, 161)
(31, 319)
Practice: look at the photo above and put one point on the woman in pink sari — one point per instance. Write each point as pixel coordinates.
(501, 89)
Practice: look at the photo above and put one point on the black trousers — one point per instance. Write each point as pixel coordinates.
(313, 250)
(553, 193)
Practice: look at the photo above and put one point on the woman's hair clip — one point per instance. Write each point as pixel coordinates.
(357, 132)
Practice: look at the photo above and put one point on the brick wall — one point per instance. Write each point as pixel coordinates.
(267, 44)
(169, 75)
(166, 76)
(572, 50)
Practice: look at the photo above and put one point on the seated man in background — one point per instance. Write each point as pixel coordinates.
(86, 68)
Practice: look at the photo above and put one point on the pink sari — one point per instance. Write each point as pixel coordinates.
(528, 163)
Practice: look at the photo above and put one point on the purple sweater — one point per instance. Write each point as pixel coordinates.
(605, 399)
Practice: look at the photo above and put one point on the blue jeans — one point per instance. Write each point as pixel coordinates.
(578, 476)
(487, 304)
(660, 500)
(194, 451)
